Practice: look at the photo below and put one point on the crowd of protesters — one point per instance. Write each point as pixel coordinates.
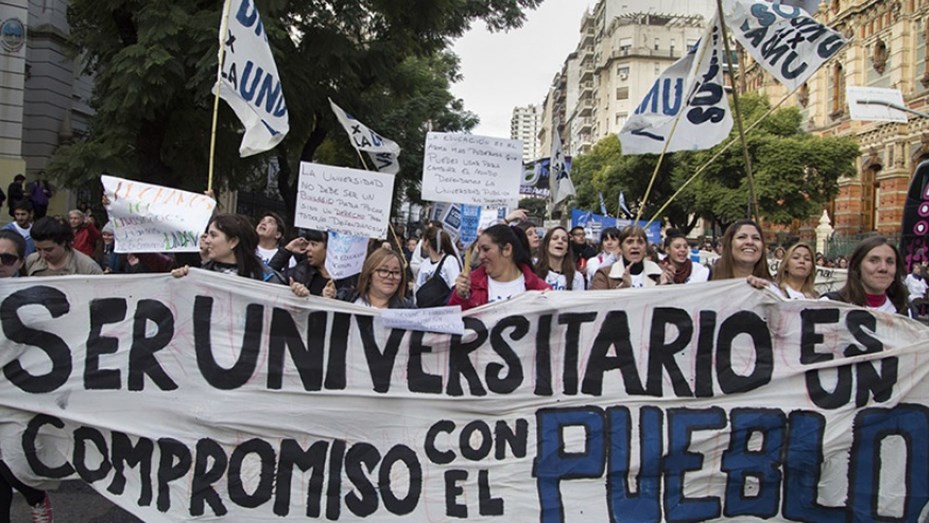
(430, 269)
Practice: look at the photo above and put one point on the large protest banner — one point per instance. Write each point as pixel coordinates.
(152, 218)
(214, 396)
(347, 201)
(470, 169)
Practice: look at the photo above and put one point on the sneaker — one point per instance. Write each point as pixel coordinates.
(42, 513)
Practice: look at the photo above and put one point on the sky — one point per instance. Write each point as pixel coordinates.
(508, 69)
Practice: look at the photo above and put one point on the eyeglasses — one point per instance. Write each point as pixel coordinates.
(8, 259)
(385, 273)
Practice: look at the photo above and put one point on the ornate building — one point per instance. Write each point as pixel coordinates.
(887, 48)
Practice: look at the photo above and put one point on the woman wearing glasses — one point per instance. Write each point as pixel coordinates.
(381, 285)
(12, 252)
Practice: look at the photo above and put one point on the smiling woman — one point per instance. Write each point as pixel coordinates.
(875, 278)
(743, 254)
(556, 262)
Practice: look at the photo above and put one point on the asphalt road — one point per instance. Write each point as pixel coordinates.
(76, 502)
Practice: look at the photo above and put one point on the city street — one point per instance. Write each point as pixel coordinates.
(76, 502)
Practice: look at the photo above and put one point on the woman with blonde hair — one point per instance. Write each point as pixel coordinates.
(796, 275)
(381, 285)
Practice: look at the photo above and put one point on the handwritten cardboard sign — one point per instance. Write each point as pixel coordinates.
(345, 255)
(475, 170)
(347, 201)
(152, 218)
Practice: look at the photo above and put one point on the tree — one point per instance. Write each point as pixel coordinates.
(154, 64)
(795, 173)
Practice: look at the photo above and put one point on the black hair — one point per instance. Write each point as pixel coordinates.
(504, 235)
(315, 235)
(238, 226)
(23, 205)
(18, 241)
(52, 228)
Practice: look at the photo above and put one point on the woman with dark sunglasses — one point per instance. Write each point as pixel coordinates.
(12, 254)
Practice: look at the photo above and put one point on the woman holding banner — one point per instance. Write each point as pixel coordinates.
(505, 271)
(12, 258)
(633, 269)
(381, 284)
(795, 278)
(743, 255)
(875, 278)
(309, 275)
(231, 242)
(556, 262)
(677, 266)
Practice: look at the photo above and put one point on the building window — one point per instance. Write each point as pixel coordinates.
(621, 119)
(691, 42)
(878, 69)
(837, 90)
(656, 43)
(622, 72)
(625, 44)
(922, 52)
(657, 68)
(622, 93)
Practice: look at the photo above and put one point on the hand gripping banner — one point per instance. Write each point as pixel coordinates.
(218, 398)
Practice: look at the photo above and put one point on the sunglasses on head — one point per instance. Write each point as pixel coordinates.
(8, 259)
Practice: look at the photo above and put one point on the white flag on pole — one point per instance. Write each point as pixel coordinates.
(622, 204)
(784, 39)
(695, 85)
(558, 172)
(248, 79)
(383, 152)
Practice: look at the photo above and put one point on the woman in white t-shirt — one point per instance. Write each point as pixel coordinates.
(556, 262)
(438, 251)
(796, 277)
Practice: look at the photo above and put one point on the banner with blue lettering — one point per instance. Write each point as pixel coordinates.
(214, 397)
(784, 39)
(598, 222)
(536, 177)
(694, 86)
(248, 79)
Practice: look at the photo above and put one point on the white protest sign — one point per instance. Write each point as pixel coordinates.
(152, 218)
(435, 319)
(785, 40)
(345, 255)
(214, 397)
(859, 109)
(347, 201)
(475, 170)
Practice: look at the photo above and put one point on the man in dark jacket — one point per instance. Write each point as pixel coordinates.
(15, 191)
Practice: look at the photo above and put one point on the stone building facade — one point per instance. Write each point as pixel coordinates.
(888, 48)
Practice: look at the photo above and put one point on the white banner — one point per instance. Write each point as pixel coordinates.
(475, 170)
(559, 175)
(216, 396)
(152, 218)
(345, 255)
(382, 152)
(695, 85)
(785, 40)
(347, 201)
(248, 81)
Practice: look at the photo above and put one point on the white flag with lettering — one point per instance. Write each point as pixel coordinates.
(380, 150)
(695, 85)
(784, 39)
(248, 79)
(558, 172)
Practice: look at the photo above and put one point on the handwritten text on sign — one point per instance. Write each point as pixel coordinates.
(345, 255)
(152, 218)
(347, 201)
(476, 170)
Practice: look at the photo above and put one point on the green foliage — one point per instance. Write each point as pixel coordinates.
(795, 173)
(155, 64)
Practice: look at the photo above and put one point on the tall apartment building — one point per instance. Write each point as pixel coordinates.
(889, 47)
(624, 46)
(524, 125)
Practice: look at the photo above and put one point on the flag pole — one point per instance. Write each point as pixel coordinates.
(699, 59)
(719, 153)
(753, 204)
(389, 225)
(223, 28)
